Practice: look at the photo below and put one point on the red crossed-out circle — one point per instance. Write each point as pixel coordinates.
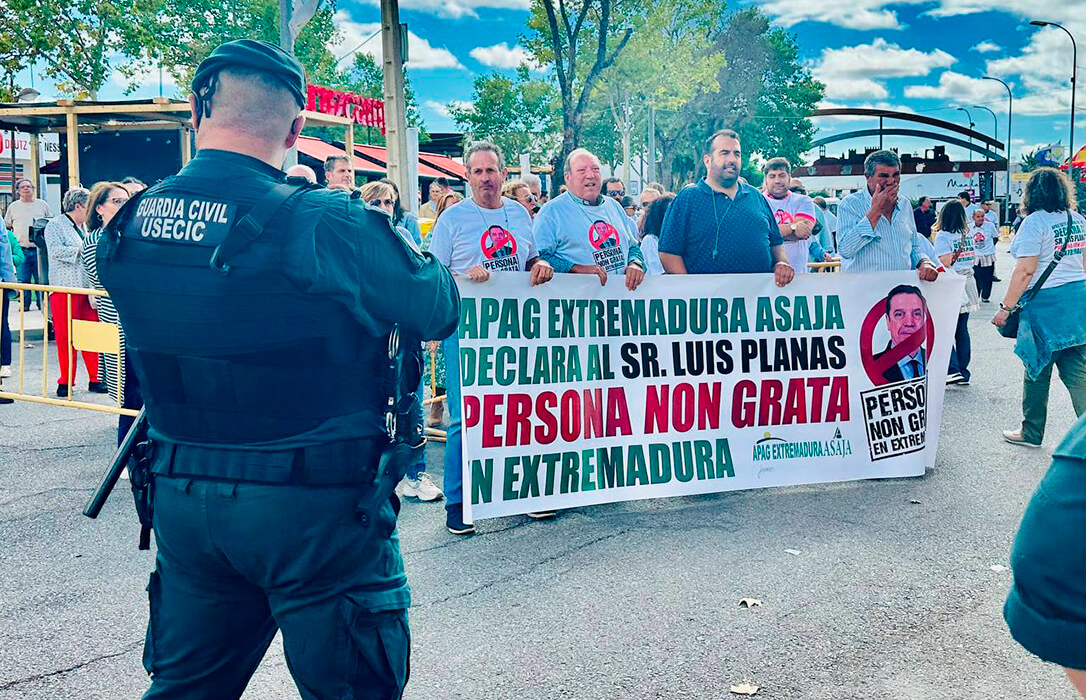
(601, 234)
(496, 242)
(876, 367)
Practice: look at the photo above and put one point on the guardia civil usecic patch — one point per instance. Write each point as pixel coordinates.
(185, 220)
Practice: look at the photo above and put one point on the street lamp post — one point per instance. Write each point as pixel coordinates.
(1010, 114)
(971, 125)
(1074, 77)
(995, 128)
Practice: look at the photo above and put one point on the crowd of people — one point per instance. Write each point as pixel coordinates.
(63, 255)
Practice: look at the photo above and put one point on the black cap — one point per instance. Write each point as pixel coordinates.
(255, 55)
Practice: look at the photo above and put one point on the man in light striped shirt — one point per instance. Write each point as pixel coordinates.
(876, 231)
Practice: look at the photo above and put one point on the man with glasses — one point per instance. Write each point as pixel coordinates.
(613, 188)
(19, 217)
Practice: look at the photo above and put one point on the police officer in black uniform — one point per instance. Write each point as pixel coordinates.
(263, 320)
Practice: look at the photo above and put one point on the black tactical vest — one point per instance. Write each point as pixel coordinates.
(237, 357)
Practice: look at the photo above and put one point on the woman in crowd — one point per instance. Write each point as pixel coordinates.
(1052, 328)
(984, 236)
(63, 240)
(520, 191)
(416, 483)
(629, 205)
(955, 248)
(651, 223)
(401, 217)
(106, 199)
(436, 356)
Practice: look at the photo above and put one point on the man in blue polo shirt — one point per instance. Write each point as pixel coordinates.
(722, 225)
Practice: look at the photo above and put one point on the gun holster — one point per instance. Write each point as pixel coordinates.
(394, 462)
(143, 489)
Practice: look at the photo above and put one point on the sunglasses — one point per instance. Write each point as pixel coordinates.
(616, 193)
(386, 202)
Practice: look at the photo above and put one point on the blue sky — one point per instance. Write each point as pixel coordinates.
(925, 56)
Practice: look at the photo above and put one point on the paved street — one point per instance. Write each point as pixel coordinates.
(889, 594)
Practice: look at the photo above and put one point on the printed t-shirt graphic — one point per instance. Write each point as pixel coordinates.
(586, 235)
(792, 209)
(1041, 234)
(961, 244)
(467, 235)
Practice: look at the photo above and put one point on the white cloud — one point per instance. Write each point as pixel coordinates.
(849, 73)
(853, 88)
(442, 108)
(456, 9)
(880, 59)
(986, 47)
(858, 14)
(421, 54)
(502, 56)
(959, 88)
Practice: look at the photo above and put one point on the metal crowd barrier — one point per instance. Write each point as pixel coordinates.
(83, 336)
(833, 266)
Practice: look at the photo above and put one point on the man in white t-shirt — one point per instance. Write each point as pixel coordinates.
(476, 237)
(795, 213)
(585, 232)
(19, 216)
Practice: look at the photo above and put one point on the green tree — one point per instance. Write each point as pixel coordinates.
(663, 65)
(74, 39)
(180, 33)
(519, 114)
(559, 33)
(762, 91)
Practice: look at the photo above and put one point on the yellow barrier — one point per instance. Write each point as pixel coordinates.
(83, 336)
(824, 266)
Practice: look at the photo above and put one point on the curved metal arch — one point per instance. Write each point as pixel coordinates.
(907, 132)
(909, 117)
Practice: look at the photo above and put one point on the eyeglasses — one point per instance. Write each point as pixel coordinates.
(117, 201)
(386, 202)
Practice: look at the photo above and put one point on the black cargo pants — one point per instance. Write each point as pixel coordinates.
(237, 562)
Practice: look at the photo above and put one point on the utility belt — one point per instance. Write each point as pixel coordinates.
(348, 462)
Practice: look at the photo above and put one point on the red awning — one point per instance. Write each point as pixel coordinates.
(442, 162)
(379, 156)
(319, 150)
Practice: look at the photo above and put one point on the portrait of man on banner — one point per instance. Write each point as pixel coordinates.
(907, 322)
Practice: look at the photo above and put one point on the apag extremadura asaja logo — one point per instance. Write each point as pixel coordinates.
(774, 448)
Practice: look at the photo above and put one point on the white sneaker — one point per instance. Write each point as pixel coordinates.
(954, 379)
(5, 371)
(422, 488)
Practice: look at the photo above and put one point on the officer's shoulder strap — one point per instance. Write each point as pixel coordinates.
(252, 225)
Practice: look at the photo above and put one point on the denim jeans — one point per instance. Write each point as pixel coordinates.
(5, 331)
(962, 351)
(416, 415)
(28, 274)
(454, 458)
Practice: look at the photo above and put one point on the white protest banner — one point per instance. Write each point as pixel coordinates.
(576, 394)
